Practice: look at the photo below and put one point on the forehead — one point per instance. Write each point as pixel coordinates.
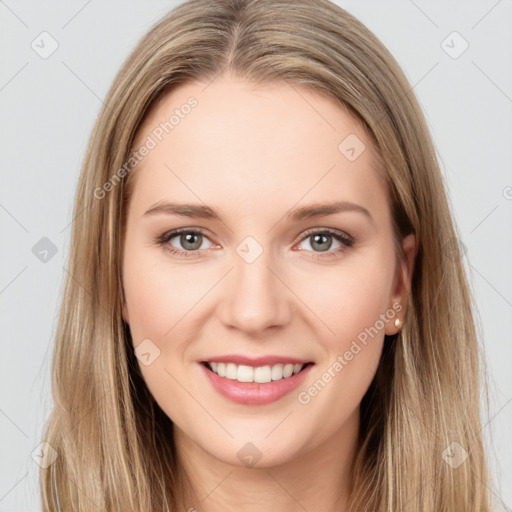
(253, 146)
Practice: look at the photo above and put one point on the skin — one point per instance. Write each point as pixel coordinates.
(252, 153)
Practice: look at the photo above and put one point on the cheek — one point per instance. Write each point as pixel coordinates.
(351, 305)
(145, 298)
(157, 299)
(157, 295)
(349, 300)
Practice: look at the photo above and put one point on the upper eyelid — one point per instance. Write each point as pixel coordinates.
(332, 231)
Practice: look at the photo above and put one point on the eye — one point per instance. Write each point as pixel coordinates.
(321, 241)
(189, 241)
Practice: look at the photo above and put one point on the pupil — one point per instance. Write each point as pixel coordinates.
(190, 241)
(319, 239)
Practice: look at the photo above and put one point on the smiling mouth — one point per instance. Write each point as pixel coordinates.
(260, 374)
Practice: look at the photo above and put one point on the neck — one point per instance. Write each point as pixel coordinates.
(316, 479)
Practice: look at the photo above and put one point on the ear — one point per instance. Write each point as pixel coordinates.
(402, 286)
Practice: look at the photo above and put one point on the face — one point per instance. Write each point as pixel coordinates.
(285, 257)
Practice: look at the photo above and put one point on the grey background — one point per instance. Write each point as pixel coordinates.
(48, 107)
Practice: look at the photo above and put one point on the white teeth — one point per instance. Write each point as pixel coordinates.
(231, 371)
(277, 371)
(287, 370)
(263, 374)
(260, 374)
(244, 373)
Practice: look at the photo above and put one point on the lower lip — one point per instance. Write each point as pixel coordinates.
(253, 393)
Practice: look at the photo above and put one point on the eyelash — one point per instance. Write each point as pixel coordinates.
(346, 241)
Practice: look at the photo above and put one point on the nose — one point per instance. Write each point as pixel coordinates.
(255, 297)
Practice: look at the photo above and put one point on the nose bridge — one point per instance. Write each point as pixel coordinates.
(255, 298)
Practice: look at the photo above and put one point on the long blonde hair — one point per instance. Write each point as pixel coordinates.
(114, 444)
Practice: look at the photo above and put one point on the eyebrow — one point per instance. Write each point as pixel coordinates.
(305, 212)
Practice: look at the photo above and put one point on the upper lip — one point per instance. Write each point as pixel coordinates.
(255, 361)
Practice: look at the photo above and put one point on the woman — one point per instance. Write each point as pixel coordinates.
(262, 312)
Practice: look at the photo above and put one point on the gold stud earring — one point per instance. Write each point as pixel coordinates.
(397, 322)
